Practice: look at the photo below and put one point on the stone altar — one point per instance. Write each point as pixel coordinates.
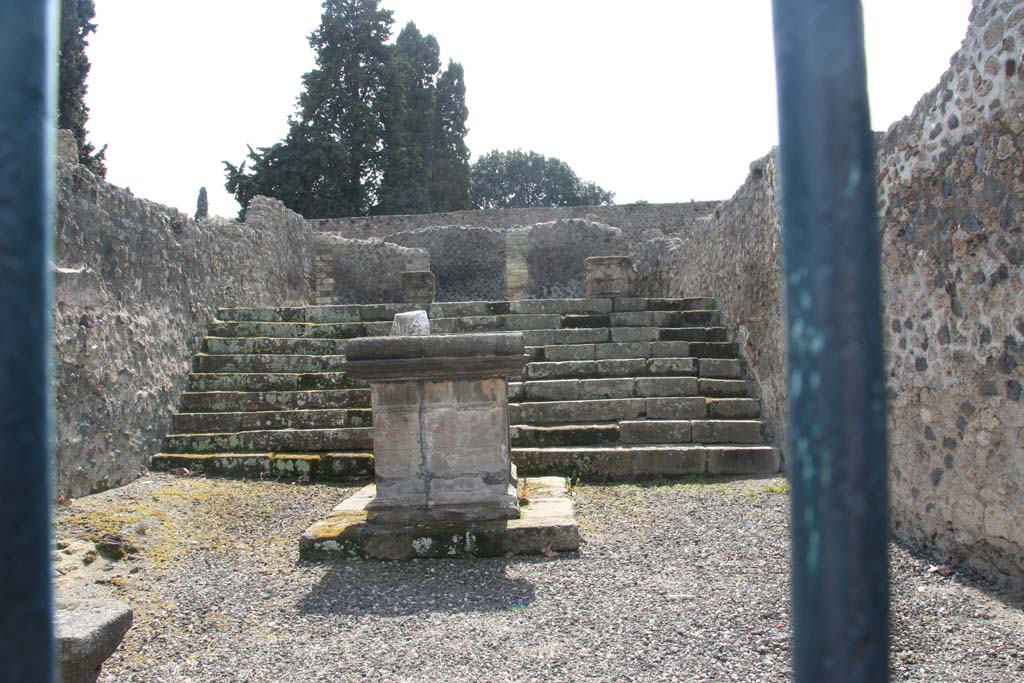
(445, 483)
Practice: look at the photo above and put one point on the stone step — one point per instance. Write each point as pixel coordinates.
(211, 423)
(720, 368)
(614, 367)
(733, 408)
(271, 381)
(220, 328)
(561, 412)
(273, 440)
(626, 462)
(724, 388)
(456, 309)
(535, 436)
(245, 401)
(267, 345)
(695, 431)
(348, 313)
(638, 326)
(331, 466)
(609, 350)
(267, 363)
(615, 387)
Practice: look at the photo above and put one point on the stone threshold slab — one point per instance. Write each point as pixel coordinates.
(546, 520)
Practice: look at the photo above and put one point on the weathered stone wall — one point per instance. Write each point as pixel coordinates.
(555, 252)
(734, 255)
(951, 197)
(468, 262)
(135, 285)
(632, 219)
(951, 207)
(362, 271)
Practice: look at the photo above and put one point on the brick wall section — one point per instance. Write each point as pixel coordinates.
(468, 262)
(951, 207)
(136, 284)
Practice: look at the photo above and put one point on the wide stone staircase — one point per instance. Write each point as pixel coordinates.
(613, 388)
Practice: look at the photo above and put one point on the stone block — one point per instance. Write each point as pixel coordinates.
(724, 388)
(685, 408)
(552, 390)
(625, 304)
(570, 352)
(589, 320)
(561, 370)
(654, 431)
(669, 462)
(723, 368)
(734, 408)
(666, 386)
(635, 334)
(607, 388)
(88, 632)
(620, 367)
(516, 390)
(726, 431)
(609, 276)
(604, 410)
(743, 460)
(418, 287)
(562, 306)
(670, 349)
(633, 319)
(623, 350)
(714, 349)
(539, 337)
(457, 309)
(531, 321)
(672, 366)
(584, 336)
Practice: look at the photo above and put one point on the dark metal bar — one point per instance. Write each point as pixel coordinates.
(834, 328)
(27, 78)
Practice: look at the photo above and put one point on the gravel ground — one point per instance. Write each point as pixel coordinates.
(677, 581)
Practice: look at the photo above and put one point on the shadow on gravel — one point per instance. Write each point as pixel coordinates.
(419, 586)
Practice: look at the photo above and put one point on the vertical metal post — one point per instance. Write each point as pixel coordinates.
(834, 328)
(27, 92)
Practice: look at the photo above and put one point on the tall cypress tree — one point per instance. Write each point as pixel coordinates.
(377, 129)
(73, 68)
(202, 205)
(449, 177)
(408, 123)
(330, 163)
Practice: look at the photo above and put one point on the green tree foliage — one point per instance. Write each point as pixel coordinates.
(202, 205)
(408, 122)
(377, 131)
(330, 162)
(517, 179)
(450, 177)
(73, 68)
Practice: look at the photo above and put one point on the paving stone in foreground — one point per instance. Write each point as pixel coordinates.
(546, 521)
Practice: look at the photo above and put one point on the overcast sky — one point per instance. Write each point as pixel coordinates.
(668, 100)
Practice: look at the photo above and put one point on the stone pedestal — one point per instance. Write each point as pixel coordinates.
(610, 276)
(440, 425)
(418, 287)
